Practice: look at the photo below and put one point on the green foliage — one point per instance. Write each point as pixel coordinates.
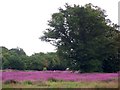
(28, 82)
(14, 63)
(18, 51)
(11, 82)
(52, 80)
(17, 59)
(44, 69)
(12, 58)
(84, 38)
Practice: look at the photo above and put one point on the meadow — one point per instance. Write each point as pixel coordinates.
(58, 79)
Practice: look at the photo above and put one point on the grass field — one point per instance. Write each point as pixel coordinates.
(63, 84)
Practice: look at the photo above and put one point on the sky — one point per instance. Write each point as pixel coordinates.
(22, 22)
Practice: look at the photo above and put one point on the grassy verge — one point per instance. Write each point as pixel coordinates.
(63, 84)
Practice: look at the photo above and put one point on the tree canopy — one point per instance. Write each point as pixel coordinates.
(85, 38)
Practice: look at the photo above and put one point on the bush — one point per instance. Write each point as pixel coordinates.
(52, 80)
(11, 82)
(28, 82)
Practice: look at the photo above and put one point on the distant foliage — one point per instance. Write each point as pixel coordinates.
(12, 59)
(17, 59)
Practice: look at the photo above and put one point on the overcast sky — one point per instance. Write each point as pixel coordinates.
(23, 21)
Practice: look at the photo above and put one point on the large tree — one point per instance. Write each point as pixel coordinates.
(84, 38)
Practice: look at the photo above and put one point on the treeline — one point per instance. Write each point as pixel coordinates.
(16, 58)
